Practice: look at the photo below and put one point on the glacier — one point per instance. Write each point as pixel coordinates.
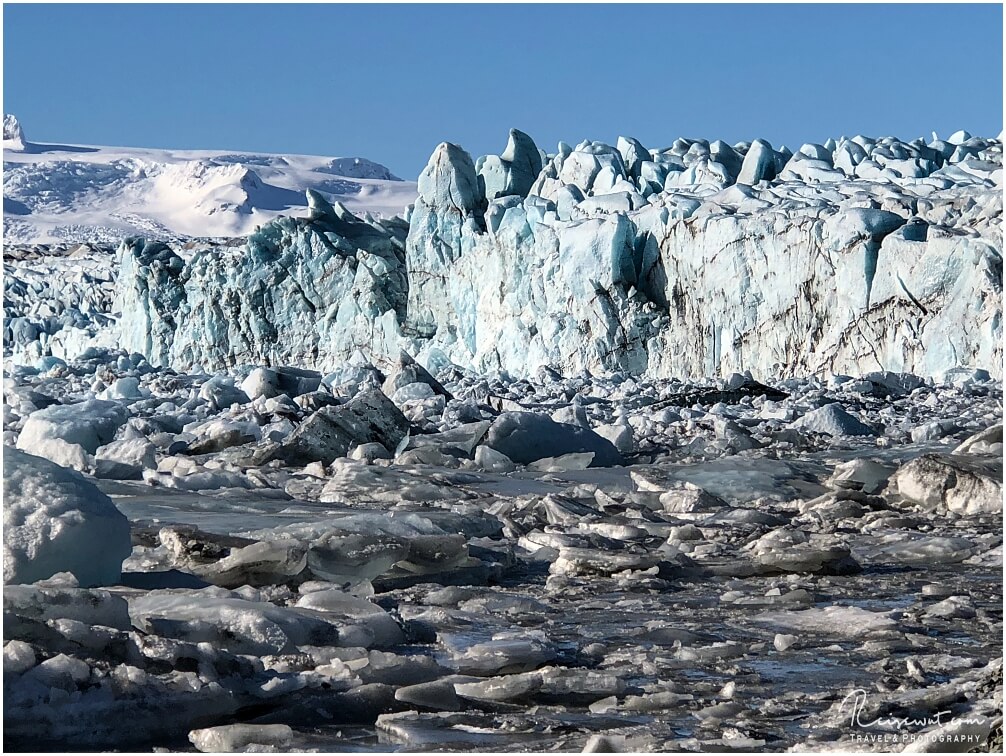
(447, 477)
(302, 291)
(701, 259)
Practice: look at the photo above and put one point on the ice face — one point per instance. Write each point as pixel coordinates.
(301, 294)
(150, 295)
(656, 263)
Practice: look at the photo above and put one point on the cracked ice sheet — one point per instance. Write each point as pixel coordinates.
(251, 512)
(731, 478)
(217, 514)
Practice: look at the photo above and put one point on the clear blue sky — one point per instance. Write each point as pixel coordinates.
(390, 82)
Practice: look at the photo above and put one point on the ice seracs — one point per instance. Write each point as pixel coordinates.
(346, 271)
(659, 263)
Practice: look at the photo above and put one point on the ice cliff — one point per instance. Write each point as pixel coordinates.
(302, 291)
(699, 260)
(703, 258)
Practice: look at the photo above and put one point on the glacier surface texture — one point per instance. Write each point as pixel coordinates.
(704, 258)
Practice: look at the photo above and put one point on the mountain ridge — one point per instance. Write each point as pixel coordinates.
(88, 193)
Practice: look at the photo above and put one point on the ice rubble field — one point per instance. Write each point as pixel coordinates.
(57, 193)
(453, 480)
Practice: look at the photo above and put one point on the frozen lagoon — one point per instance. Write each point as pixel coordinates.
(553, 606)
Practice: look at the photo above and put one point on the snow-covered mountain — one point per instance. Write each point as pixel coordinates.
(78, 193)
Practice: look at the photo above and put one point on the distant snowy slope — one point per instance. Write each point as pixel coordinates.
(77, 193)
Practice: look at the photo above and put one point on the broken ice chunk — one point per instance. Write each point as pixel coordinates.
(342, 557)
(263, 563)
(526, 437)
(55, 520)
(583, 561)
(18, 657)
(89, 424)
(502, 653)
(241, 737)
(491, 460)
(370, 624)
(832, 420)
(506, 688)
(789, 550)
(44, 603)
(864, 474)
(332, 431)
(847, 621)
(236, 624)
(958, 484)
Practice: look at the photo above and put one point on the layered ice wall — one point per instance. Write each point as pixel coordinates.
(667, 264)
(699, 259)
(302, 291)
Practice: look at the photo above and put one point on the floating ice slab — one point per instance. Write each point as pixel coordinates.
(848, 621)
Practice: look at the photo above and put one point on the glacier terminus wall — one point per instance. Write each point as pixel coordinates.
(699, 259)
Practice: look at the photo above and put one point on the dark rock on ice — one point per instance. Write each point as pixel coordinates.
(332, 432)
(526, 437)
